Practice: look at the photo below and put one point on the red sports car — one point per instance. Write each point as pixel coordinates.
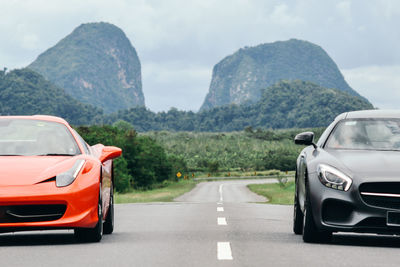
(50, 178)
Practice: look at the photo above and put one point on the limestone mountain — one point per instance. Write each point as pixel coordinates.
(239, 78)
(95, 64)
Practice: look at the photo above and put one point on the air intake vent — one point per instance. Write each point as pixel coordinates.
(31, 213)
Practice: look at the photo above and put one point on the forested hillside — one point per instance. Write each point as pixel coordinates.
(283, 105)
(25, 92)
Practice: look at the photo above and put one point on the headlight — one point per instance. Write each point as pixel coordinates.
(66, 178)
(333, 178)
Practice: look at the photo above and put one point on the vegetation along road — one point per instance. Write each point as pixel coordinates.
(218, 223)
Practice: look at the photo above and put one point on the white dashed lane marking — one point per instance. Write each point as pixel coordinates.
(223, 248)
(221, 221)
(221, 199)
(224, 251)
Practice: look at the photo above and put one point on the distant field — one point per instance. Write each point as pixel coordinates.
(164, 194)
(249, 150)
(189, 155)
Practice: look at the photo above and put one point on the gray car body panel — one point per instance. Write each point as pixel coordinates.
(360, 165)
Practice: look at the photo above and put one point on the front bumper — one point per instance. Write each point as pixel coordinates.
(80, 202)
(340, 211)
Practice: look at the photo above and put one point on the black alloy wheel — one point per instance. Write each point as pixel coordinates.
(297, 215)
(311, 234)
(92, 234)
(109, 222)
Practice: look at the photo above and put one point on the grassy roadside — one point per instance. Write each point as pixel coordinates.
(275, 193)
(164, 194)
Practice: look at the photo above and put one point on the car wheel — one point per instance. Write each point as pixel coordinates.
(109, 223)
(92, 234)
(311, 234)
(297, 215)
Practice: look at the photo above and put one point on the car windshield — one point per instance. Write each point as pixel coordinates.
(24, 137)
(366, 134)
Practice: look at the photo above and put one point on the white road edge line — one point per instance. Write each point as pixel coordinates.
(224, 251)
(221, 221)
(221, 199)
(220, 208)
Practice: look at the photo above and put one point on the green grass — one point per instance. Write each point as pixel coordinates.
(275, 193)
(164, 194)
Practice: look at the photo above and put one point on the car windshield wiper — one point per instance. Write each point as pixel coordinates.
(56, 154)
(11, 155)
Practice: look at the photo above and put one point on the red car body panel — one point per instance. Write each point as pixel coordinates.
(30, 180)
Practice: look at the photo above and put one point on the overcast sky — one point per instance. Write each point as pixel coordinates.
(179, 41)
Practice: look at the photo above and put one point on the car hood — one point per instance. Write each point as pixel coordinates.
(28, 170)
(369, 163)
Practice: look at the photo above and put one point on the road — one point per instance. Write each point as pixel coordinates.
(216, 224)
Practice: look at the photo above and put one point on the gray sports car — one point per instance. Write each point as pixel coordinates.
(350, 180)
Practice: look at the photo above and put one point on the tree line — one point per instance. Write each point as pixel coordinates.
(286, 104)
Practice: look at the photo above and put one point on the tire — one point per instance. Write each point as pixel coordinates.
(108, 226)
(92, 234)
(297, 215)
(311, 234)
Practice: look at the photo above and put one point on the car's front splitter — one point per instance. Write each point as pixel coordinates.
(31, 206)
(345, 211)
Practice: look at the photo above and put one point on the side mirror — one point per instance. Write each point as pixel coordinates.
(110, 152)
(305, 138)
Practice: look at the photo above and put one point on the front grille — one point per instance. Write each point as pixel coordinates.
(373, 222)
(383, 195)
(31, 213)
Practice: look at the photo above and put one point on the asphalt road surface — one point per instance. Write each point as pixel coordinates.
(216, 224)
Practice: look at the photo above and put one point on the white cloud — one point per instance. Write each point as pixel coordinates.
(199, 33)
(379, 84)
(344, 9)
(281, 16)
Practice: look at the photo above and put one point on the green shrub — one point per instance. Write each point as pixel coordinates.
(122, 177)
(144, 163)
